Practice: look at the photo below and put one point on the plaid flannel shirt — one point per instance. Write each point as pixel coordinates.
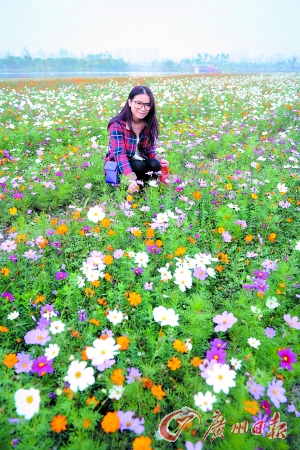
(122, 145)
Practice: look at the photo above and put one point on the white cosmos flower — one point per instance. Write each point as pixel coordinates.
(115, 316)
(27, 402)
(272, 303)
(102, 349)
(79, 376)
(116, 392)
(171, 214)
(236, 363)
(57, 327)
(13, 315)
(165, 275)
(94, 275)
(96, 214)
(52, 351)
(220, 376)
(255, 343)
(153, 183)
(184, 280)
(205, 401)
(211, 272)
(297, 245)
(80, 281)
(165, 316)
(255, 310)
(162, 217)
(282, 188)
(131, 254)
(141, 258)
(232, 206)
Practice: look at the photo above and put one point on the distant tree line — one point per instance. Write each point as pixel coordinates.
(104, 62)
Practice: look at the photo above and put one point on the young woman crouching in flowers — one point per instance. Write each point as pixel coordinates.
(132, 137)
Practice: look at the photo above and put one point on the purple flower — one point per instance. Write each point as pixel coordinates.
(43, 323)
(288, 357)
(128, 422)
(46, 309)
(270, 332)
(200, 273)
(216, 353)
(153, 249)
(264, 418)
(224, 321)
(226, 236)
(276, 392)
(13, 258)
(190, 446)
(257, 390)
(37, 336)
(292, 321)
(218, 343)
(137, 270)
(18, 195)
(106, 365)
(118, 253)
(61, 275)
(148, 286)
(251, 254)
(82, 315)
(269, 265)
(24, 364)
(107, 333)
(292, 408)
(42, 366)
(133, 375)
(8, 296)
(260, 274)
(265, 405)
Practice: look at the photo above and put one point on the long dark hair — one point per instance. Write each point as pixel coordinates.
(151, 119)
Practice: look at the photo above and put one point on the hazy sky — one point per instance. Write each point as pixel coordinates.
(175, 28)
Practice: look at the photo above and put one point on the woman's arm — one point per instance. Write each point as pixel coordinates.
(117, 147)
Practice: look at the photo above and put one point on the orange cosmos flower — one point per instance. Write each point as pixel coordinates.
(110, 422)
(142, 443)
(59, 423)
(86, 423)
(5, 271)
(108, 259)
(249, 238)
(159, 243)
(92, 401)
(174, 363)
(156, 409)
(251, 407)
(180, 346)
(272, 237)
(158, 392)
(134, 298)
(62, 229)
(150, 232)
(197, 195)
(10, 360)
(117, 377)
(196, 361)
(147, 382)
(105, 222)
(3, 329)
(94, 322)
(180, 251)
(123, 341)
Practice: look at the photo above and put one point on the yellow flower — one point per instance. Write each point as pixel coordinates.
(13, 211)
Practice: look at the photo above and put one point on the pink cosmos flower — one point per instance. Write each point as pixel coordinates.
(276, 392)
(288, 357)
(224, 321)
(292, 321)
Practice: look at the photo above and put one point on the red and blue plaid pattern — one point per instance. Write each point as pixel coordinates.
(122, 146)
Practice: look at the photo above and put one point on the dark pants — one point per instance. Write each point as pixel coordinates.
(140, 168)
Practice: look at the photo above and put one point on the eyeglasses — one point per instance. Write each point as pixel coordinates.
(139, 105)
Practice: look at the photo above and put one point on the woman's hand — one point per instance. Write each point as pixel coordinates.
(164, 162)
(131, 176)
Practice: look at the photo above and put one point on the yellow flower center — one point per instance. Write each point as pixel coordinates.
(224, 321)
(275, 392)
(40, 338)
(216, 357)
(29, 399)
(78, 374)
(102, 352)
(127, 424)
(41, 364)
(163, 318)
(285, 358)
(220, 377)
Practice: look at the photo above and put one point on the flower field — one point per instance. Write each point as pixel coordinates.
(118, 308)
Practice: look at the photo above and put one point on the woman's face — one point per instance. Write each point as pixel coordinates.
(138, 106)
